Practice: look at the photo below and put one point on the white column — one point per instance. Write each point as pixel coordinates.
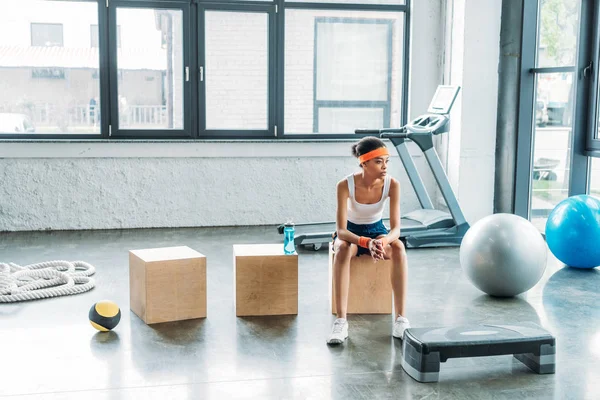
(473, 64)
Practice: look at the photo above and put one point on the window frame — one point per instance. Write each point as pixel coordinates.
(241, 7)
(579, 160)
(593, 68)
(405, 9)
(115, 131)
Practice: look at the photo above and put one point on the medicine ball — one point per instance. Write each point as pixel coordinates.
(105, 315)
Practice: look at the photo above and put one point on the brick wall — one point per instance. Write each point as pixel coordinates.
(299, 64)
(236, 71)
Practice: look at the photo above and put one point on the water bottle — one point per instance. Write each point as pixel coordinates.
(288, 238)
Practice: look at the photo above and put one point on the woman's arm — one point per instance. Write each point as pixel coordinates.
(394, 232)
(343, 194)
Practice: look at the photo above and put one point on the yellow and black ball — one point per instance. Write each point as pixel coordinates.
(105, 315)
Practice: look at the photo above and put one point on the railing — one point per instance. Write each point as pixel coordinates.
(143, 115)
(52, 115)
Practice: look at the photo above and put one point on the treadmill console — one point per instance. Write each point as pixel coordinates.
(443, 99)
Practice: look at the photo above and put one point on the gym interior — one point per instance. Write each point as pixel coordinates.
(168, 174)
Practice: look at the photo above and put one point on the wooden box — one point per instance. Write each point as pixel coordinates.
(370, 289)
(167, 284)
(265, 280)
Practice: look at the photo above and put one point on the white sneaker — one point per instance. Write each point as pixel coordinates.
(339, 332)
(400, 326)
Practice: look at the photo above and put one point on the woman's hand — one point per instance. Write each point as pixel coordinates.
(376, 249)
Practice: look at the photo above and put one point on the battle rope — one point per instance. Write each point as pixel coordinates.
(42, 280)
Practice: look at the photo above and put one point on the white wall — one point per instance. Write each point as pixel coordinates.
(427, 51)
(84, 185)
(427, 70)
(473, 64)
(134, 185)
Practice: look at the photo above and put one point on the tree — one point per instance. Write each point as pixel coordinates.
(559, 27)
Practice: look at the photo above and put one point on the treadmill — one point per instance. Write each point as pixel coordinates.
(425, 227)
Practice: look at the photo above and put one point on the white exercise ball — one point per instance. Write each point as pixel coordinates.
(503, 255)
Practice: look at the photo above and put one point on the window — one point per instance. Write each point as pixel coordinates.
(351, 74)
(556, 117)
(48, 73)
(592, 71)
(593, 132)
(47, 83)
(552, 144)
(389, 2)
(142, 103)
(203, 69)
(594, 183)
(46, 35)
(353, 70)
(237, 70)
(552, 129)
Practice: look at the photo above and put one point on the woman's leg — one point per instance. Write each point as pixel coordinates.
(344, 251)
(398, 275)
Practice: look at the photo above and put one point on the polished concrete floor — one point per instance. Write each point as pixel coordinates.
(49, 350)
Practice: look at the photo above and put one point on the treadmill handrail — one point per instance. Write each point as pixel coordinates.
(400, 135)
(380, 131)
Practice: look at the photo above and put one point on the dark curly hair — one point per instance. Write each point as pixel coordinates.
(366, 145)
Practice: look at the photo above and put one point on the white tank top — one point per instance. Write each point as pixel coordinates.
(362, 214)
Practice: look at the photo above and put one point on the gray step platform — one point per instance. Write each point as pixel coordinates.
(425, 348)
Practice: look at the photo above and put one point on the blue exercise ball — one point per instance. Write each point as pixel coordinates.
(573, 231)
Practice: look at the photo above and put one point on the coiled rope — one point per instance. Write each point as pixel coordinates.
(43, 280)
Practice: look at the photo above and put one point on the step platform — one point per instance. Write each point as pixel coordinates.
(425, 348)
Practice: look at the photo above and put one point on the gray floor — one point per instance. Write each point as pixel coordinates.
(49, 350)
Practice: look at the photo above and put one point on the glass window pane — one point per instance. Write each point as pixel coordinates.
(150, 68)
(54, 88)
(558, 32)
(596, 133)
(552, 144)
(346, 119)
(94, 39)
(237, 70)
(334, 55)
(387, 2)
(342, 59)
(595, 177)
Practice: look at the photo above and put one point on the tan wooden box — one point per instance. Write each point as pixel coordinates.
(370, 289)
(167, 284)
(265, 280)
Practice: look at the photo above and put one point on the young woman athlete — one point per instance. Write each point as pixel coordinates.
(361, 198)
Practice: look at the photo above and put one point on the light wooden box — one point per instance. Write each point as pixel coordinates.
(265, 280)
(167, 284)
(370, 289)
